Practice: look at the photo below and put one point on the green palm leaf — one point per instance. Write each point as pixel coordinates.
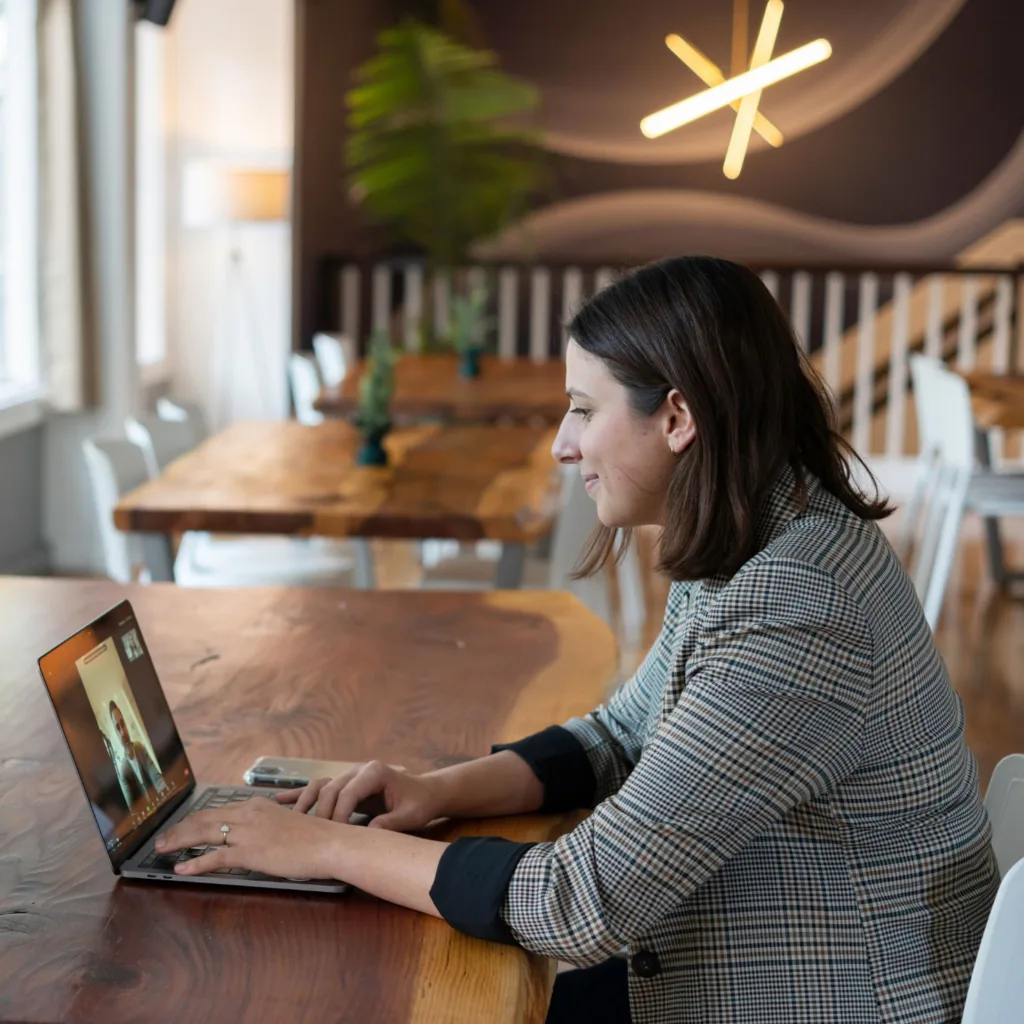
(439, 147)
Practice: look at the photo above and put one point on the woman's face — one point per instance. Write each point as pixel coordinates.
(120, 725)
(626, 459)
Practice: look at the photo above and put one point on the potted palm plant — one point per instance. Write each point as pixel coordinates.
(376, 388)
(438, 149)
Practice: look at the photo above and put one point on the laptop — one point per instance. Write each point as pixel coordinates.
(129, 756)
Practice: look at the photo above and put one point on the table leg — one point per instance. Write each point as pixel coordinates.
(996, 562)
(509, 575)
(365, 575)
(157, 557)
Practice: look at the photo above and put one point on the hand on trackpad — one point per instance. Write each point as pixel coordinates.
(365, 810)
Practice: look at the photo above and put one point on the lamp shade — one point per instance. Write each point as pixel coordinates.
(214, 194)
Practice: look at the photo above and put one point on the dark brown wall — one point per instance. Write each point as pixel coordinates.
(920, 144)
(332, 37)
(927, 139)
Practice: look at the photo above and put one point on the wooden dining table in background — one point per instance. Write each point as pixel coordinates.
(464, 482)
(997, 399)
(420, 679)
(431, 387)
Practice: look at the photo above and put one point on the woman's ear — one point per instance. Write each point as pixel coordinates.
(680, 428)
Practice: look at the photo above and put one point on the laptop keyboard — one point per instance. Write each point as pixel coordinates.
(216, 796)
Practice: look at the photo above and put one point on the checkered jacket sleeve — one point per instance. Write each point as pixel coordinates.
(765, 714)
(612, 736)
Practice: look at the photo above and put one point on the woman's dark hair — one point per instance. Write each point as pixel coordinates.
(112, 707)
(712, 330)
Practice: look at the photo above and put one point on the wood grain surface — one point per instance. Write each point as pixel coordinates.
(462, 482)
(421, 679)
(997, 400)
(430, 386)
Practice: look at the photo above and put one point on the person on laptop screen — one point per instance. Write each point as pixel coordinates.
(136, 772)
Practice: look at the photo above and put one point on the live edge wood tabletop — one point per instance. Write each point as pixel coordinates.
(463, 482)
(422, 679)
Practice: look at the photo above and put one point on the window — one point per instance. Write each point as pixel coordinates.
(150, 202)
(19, 303)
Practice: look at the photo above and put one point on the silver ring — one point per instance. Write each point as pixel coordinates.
(224, 830)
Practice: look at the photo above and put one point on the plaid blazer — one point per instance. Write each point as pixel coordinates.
(789, 826)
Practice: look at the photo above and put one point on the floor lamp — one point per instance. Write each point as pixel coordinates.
(218, 196)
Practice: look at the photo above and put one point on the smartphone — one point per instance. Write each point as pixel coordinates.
(292, 772)
(296, 772)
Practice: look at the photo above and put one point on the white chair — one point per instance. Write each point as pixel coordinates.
(118, 466)
(190, 412)
(161, 441)
(955, 484)
(927, 443)
(577, 519)
(257, 561)
(115, 467)
(305, 385)
(996, 991)
(1004, 801)
(335, 353)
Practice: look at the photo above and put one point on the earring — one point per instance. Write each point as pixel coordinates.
(673, 449)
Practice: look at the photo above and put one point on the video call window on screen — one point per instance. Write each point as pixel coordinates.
(127, 742)
(117, 723)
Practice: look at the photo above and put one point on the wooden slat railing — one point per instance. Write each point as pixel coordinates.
(857, 324)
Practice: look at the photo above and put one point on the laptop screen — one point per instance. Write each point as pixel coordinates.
(117, 725)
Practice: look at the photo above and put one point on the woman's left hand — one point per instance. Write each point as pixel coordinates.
(262, 836)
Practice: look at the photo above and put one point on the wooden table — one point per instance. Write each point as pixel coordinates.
(415, 678)
(462, 482)
(430, 387)
(997, 399)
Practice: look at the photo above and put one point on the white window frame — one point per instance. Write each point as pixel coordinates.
(21, 386)
(150, 205)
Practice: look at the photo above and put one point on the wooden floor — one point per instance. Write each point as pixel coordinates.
(981, 638)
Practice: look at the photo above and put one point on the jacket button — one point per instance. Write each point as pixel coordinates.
(646, 964)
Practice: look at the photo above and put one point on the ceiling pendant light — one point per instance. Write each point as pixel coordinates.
(742, 92)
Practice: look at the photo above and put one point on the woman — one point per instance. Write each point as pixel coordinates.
(786, 823)
(139, 777)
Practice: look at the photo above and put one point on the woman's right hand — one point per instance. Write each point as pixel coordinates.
(410, 801)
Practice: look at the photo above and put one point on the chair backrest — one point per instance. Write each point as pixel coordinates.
(945, 418)
(577, 518)
(946, 424)
(115, 467)
(161, 441)
(996, 991)
(177, 411)
(922, 372)
(334, 355)
(1004, 801)
(305, 384)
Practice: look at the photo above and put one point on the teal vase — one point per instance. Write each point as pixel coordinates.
(373, 452)
(469, 363)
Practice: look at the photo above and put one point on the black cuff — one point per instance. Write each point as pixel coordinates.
(560, 762)
(470, 885)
